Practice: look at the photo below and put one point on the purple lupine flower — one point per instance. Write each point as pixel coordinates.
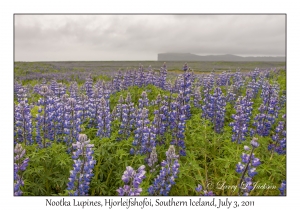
(159, 126)
(20, 165)
(128, 118)
(183, 86)
(268, 110)
(23, 123)
(223, 79)
(54, 86)
(126, 80)
(83, 103)
(242, 118)
(254, 86)
(117, 81)
(72, 121)
(104, 119)
(152, 160)
(186, 90)
(150, 78)
(163, 76)
(238, 81)
(200, 190)
(89, 86)
(84, 163)
(140, 75)
(282, 188)
(255, 74)
(231, 96)
(160, 120)
(119, 109)
(247, 168)
(21, 94)
(73, 89)
(94, 104)
(282, 100)
(143, 101)
(185, 67)
(61, 89)
(148, 141)
(279, 138)
(177, 125)
(169, 171)
(142, 132)
(45, 122)
(215, 106)
(197, 98)
(132, 180)
(61, 109)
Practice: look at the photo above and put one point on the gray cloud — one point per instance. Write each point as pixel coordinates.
(141, 37)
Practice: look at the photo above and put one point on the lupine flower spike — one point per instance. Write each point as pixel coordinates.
(82, 172)
(20, 165)
(169, 171)
(247, 168)
(132, 180)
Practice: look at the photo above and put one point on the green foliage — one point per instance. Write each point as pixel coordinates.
(48, 170)
(210, 161)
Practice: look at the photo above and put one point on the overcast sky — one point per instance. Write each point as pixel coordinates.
(142, 37)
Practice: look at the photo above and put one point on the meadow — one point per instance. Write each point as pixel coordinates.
(149, 128)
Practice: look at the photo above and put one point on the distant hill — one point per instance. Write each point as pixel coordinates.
(227, 57)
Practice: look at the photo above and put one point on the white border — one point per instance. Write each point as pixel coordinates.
(8, 8)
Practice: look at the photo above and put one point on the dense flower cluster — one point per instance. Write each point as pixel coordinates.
(238, 81)
(117, 81)
(215, 109)
(268, 110)
(144, 139)
(61, 118)
(104, 119)
(223, 79)
(177, 124)
(82, 172)
(23, 123)
(254, 86)
(169, 171)
(45, 117)
(21, 93)
(255, 74)
(89, 86)
(231, 96)
(241, 118)
(143, 101)
(20, 165)
(279, 138)
(197, 98)
(128, 116)
(72, 121)
(247, 168)
(132, 180)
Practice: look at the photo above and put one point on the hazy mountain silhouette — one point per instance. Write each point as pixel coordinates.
(227, 57)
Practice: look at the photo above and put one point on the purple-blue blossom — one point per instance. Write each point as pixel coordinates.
(132, 180)
(282, 188)
(84, 163)
(164, 181)
(199, 189)
(247, 168)
(20, 164)
(104, 119)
